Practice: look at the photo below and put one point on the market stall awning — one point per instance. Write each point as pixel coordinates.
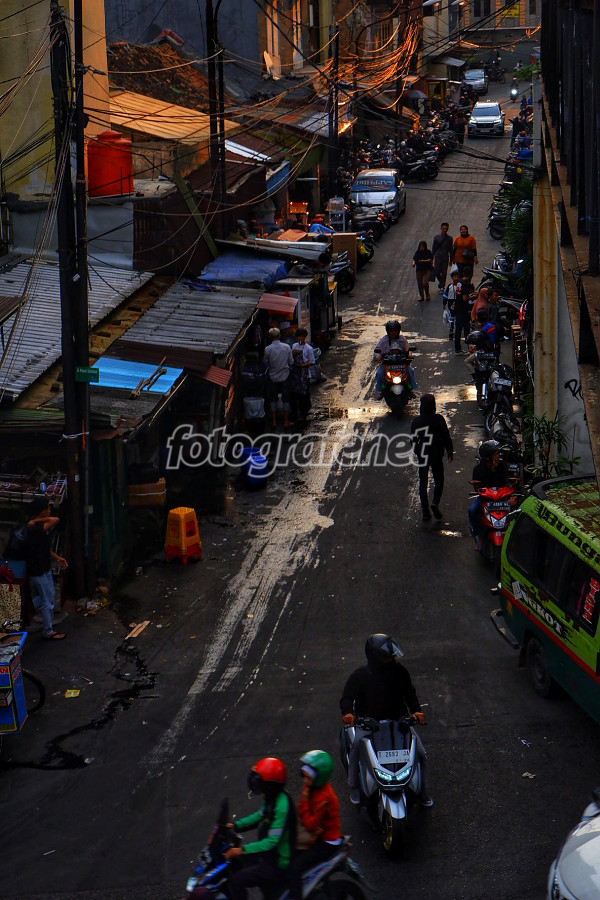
(277, 303)
(452, 61)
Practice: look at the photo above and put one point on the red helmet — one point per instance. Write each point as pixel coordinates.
(267, 771)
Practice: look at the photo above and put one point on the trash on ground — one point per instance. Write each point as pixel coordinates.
(137, 629)
(72, 692)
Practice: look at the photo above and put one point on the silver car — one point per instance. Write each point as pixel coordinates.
(486, 118)
(575, 873)
(379, 188)
(477, 79)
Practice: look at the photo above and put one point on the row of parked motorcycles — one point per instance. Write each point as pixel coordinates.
(499, 404)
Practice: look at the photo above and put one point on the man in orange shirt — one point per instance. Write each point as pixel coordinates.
(464, 251)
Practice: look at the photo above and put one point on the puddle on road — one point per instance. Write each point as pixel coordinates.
(129, 668)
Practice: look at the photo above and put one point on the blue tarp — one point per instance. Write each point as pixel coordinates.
(244, 270)
(121, 373)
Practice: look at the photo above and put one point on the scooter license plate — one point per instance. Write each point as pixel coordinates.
(499, 504)
(503, 382)
(397, 756)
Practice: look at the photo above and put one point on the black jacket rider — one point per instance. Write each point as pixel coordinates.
(385, 694)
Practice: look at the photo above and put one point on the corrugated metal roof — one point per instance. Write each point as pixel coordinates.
(278, 303)
(214, 374)
(36, 343)
(195, 320)
(135, 112)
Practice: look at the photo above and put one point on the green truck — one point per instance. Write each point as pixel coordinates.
(550, 588)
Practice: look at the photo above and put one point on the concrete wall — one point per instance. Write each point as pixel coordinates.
(141, 20)
(31, 111)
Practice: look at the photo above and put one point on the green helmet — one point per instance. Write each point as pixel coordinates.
(321, 762)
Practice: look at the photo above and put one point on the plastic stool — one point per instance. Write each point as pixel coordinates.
(183, 538)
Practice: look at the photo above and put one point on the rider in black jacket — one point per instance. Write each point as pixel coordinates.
(382, 689)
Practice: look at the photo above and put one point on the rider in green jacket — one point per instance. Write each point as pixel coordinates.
(266, 859)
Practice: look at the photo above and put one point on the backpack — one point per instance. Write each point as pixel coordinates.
(16, 546)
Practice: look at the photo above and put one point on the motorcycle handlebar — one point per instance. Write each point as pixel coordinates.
(371, 724)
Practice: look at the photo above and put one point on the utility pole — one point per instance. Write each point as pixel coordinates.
(212, 81)
(68, 276)
(332, 154)
(82, 356)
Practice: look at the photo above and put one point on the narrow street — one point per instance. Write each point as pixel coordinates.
(256, 641)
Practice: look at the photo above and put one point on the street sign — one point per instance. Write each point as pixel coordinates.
(86, 374)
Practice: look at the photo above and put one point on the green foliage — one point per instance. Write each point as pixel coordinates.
(527, 73)
(549, 442)
(517, 205)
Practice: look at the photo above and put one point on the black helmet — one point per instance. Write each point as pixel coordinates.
(479, 339)
(380, 649)
(487, 449)
(393, 325)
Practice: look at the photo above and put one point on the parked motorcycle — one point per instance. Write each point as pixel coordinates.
(396, 387)
(338, 878)
(389, 774)
(497, 74)
(369, 218)
(495, 507)
(341, 269)
(497, 394)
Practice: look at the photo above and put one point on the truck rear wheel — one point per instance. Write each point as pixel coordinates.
(539, 670)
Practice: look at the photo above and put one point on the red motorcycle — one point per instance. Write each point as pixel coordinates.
(396, 388)
(496, 504)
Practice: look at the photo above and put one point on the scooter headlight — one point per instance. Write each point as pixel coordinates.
(389, 778)
(396, 379)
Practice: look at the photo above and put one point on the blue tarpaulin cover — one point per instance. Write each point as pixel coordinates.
(121, 373)
(244, 269)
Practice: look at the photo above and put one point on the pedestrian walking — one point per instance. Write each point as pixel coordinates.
(448, 298)
(464, 250)
(459, 125)
(517, 127)
(39, 563)
(303, 358)
(422, 262)
(441, 247)
(279, 358)
(430, 439)
(462, 310)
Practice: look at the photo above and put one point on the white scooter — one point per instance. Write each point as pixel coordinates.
(389, 773)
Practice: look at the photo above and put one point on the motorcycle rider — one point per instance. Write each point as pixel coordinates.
(490, 471)
(319, 815)
(266, 860)
(382, 689)
(392, 338)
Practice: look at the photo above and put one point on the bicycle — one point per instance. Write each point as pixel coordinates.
(33, 686)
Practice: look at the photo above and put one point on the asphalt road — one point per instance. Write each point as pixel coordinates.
(111, 794)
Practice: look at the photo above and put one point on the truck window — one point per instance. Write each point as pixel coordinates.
(520, 551)
(539, 556)
(584, 596)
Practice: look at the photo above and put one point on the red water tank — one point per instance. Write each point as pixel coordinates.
(110, 165)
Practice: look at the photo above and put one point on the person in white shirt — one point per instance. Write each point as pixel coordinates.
(279, 358)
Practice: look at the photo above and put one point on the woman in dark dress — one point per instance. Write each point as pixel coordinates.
(423, 264)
